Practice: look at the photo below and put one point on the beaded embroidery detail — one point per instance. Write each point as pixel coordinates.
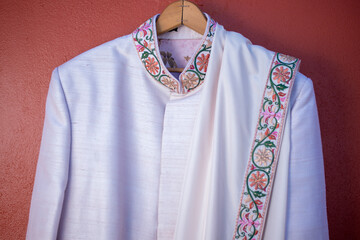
(192, 76)
(265, 149)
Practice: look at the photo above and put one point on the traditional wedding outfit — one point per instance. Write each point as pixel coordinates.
(228, 149)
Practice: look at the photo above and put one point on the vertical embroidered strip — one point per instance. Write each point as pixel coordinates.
(265, 149)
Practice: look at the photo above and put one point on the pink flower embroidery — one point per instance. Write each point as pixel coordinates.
(140, 47)
(143, 28)
(273, 136)
(282, 96)
(247, 222)
(270, 114)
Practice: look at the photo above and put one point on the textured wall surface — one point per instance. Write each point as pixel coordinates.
(38, 35)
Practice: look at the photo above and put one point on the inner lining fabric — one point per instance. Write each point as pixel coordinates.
(177, 47)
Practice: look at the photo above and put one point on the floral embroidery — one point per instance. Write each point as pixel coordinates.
(173, 85)
(286, 58)
(247, 222)
(203, 62)
(263, 158)
(270, 114)
(191, 77)
(190, 80)
(281, 74)
(258, 180)
(200, 62)
(151, 65)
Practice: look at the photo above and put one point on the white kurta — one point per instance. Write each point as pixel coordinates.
(132, 151)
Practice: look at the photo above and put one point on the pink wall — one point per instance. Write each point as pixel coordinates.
(38, 35)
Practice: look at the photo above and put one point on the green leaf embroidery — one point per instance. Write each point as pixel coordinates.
(269, 144)
(281, 87)
(145, 55)
(259, 194)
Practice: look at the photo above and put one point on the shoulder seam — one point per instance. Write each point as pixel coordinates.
(62, 88)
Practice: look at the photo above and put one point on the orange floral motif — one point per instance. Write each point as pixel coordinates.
(203, 61)
(190, 80)
(263, 157)
(257, 180)
(169, 83)
(281, 74)
(152, 65)
(287, 58)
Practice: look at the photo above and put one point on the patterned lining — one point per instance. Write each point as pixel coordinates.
(262, 164)
(195, 71)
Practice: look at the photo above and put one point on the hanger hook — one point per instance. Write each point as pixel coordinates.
(182, 12)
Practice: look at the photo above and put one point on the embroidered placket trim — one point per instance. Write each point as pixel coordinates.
(194, 73)
(264, 154)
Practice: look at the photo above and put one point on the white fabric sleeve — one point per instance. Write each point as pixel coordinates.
(52, 166)
(307, 217)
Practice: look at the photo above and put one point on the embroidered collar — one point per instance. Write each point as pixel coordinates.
(193, 75)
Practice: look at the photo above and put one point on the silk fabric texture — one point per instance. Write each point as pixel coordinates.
(110, 130)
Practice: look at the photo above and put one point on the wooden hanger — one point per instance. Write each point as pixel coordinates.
(181, 13)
